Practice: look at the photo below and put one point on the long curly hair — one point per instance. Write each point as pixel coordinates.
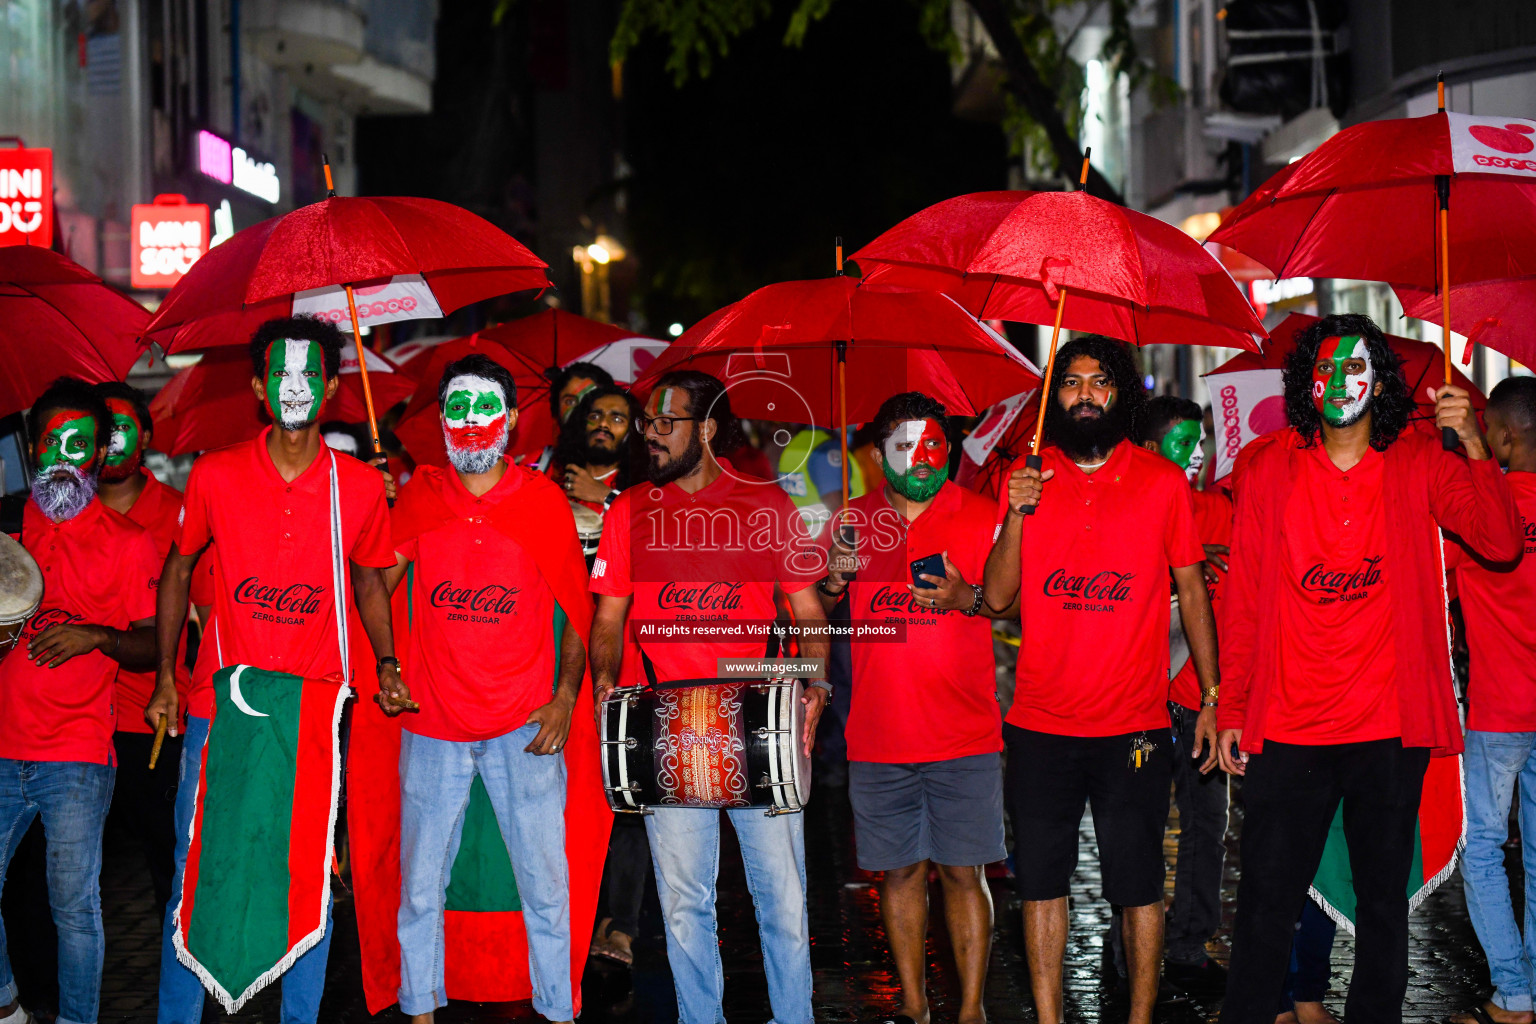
(1389, 410)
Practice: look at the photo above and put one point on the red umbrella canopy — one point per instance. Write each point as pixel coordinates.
(1008, 255)
(1363, 205)
(775, 350)
(210, 404)
(414, 254)
(1247, 394)
(1500, 314)
(1003, 433)
(554, 337)
(58, 318)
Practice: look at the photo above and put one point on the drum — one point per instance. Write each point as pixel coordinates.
(21, 591)
(589, 527)
(717, 745)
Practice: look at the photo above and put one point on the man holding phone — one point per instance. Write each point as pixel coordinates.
(1086, 544)
(924, 734)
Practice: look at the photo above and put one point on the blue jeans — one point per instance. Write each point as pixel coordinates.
(73, 798)
(181, 994)
(1494, 760)
(685, 846)
(527, 793)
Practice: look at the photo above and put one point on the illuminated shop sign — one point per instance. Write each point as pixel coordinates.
(228, 164)
(169, 235)
(26, 197)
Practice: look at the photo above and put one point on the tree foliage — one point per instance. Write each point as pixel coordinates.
(1043, 85)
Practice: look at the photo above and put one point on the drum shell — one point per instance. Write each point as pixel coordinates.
(21, 591)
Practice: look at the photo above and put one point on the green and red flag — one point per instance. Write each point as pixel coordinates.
(485, 945)
(1441, 834)
(256, 894)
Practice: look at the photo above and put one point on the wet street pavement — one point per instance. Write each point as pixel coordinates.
(855, 979)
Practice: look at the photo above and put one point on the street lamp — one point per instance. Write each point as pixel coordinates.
(594, 260)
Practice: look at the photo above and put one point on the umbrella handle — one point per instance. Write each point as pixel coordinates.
(1033, 462)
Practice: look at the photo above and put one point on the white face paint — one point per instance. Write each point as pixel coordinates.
(118, 444)
(482, 411)
(1196, 459)
(296, 392)
(903, 443)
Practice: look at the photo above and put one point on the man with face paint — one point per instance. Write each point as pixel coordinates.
(146, 799)
(496, 567)
(57, 705)
(1337, 686)
(1172, 427)
(1089, 569)
(266, 507)
(701, 542)
(924, 734)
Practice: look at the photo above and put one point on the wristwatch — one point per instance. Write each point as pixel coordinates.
(1209, 696)
(821, 684)
(388, 659)
(821, 585)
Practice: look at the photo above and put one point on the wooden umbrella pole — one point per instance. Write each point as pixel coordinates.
(357, 334)
(154, 751)
(1443, 191)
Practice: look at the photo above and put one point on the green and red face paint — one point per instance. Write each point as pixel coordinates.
(125, 451)
(69, 439)
(474, 413)
(917, 458)
(1343, 380)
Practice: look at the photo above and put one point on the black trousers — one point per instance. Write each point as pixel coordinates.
(146, 802)
(626, 873)
(1291, 794)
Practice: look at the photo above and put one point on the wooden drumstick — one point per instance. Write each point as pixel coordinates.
(154, 751)
(409, 705)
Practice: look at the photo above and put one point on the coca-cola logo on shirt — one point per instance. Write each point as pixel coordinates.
(708, 597)
(494, 598)
(293, 599)
(46, 620)
(1343, 584)
(892, 599)
(1101, 586)
(1530, 535)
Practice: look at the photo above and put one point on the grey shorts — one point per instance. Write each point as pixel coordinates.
(949, 812)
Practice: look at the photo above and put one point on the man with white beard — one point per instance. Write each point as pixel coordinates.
(284, 513)
(56, 686)
(495, 659)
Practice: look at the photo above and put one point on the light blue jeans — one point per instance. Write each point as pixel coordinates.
(72, 797)
(1493, 762)
(685, 846)
(527, 793)
(181, 994)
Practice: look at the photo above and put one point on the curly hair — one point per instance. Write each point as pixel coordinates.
(1117, 360)
(299, 328)
(1389, 410)
(571, 449)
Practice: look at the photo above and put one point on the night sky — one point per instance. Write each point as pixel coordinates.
(737, 180)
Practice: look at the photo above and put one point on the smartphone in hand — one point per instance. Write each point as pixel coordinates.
(932, 565)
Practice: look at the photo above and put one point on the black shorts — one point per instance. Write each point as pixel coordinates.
(1050, 778)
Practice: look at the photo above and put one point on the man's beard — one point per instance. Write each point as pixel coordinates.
(1086, 437)
(123, 470)
(474, 461)
(63, 497)
(600, 455)
(679, 467)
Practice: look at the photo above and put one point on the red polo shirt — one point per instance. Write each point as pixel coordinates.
(99, 569)
(933, 697)
(481, 653)
(1496, 603)
(1213, 522)
(1337, 656)
(689, 560)
(1094, 585)
(156, 510)
(274, 607)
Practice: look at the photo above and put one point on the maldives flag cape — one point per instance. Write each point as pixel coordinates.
(486, 955)
(256, 893)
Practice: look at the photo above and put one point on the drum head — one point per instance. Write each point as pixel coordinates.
(589, 524)
(21, 582)
(801, 759)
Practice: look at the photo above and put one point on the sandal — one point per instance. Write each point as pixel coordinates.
(610, 950)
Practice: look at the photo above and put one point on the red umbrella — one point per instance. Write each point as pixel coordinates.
(784, 350)
(407, 258)
(210, 404)
(554, 337)
(1247, 396)
(1500, 314)
(1018, 255)
(58, 318)
(1005, 431)
(1423, 201)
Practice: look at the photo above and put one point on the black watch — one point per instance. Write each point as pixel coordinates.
(388, 659)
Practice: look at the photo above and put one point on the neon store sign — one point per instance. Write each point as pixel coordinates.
(229, 164)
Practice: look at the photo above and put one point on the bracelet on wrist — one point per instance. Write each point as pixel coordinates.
(388, 659)
(821, 585)
(976, 604)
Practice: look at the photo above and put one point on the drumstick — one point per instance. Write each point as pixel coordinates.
(154, 751)
(409, 705)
